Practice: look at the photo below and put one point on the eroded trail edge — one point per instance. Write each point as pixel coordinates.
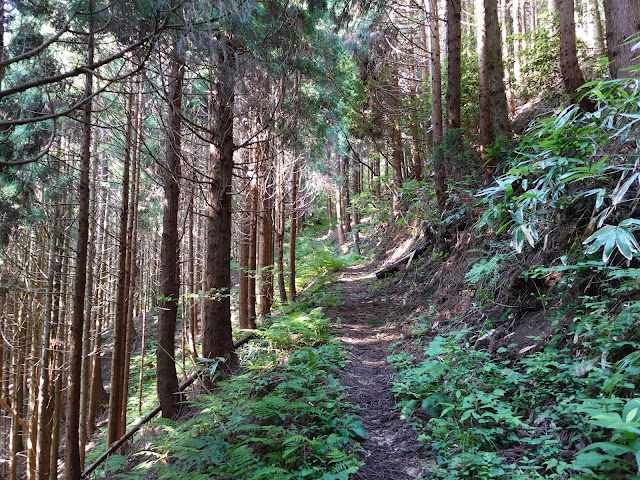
(391, 451)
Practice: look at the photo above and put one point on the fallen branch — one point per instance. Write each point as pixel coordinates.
(394, 267)
(118, 443)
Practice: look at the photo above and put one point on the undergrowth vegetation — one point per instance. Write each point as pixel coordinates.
(281, 414)
(564, 217)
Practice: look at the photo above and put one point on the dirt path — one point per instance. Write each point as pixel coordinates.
(391, 451)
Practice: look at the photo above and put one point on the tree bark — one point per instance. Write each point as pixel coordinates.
(281, 212)
(73, 468)
(431, 10)
(495, 68)
(216, 317)
(253, 246)
(339, 224)
(265, 254)
(622, 18)
(347, 192)
(117, 405)
(570, 69)
(43, 438)
(484, 110)
(169, 290)
(293, 227)
(416, 159)
(454, 49)
(243, 260)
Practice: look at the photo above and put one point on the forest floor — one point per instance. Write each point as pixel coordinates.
(366, 321)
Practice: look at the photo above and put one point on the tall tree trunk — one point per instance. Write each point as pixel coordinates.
(117, 405)
(570, 69)
(293, 227)
(357, 186)
(61, 310)
(217, 338)
(594, 27)
(193, 285)
(416, 159)
(73, 469)
(484, 110)
(132, 238)
(431, 10)
(347, 193)
(281, 215)
(509, 48)
(623, 20)
(426, 41)
(497, 94)
(454, 75)
(339, 224)
(88, 304)
(43, 438)
(517, 42)
(253, 245)
(169, 290)
(243, 255)
(15, 442)
(265, 256)
(97, 393)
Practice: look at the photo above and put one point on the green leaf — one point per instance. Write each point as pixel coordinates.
(508, 194)
(619, 194)
(610, 448)
(630, 222)
(593, 459)
(631, 409)
(359, 432)
(608, 248)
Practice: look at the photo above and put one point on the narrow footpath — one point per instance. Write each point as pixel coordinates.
(391, 451)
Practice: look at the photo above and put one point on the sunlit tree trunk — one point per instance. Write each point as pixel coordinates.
(517, 43)
(281, 216)
(192, 312)
(484, 110)
(339, 223)
(265, 254)
(347, 193)
(253, 245)
(622, 18)
(594, 27)
(495, 69)
(570, 69)
(293, 227)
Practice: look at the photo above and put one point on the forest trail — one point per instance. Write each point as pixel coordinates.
(391, 451)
